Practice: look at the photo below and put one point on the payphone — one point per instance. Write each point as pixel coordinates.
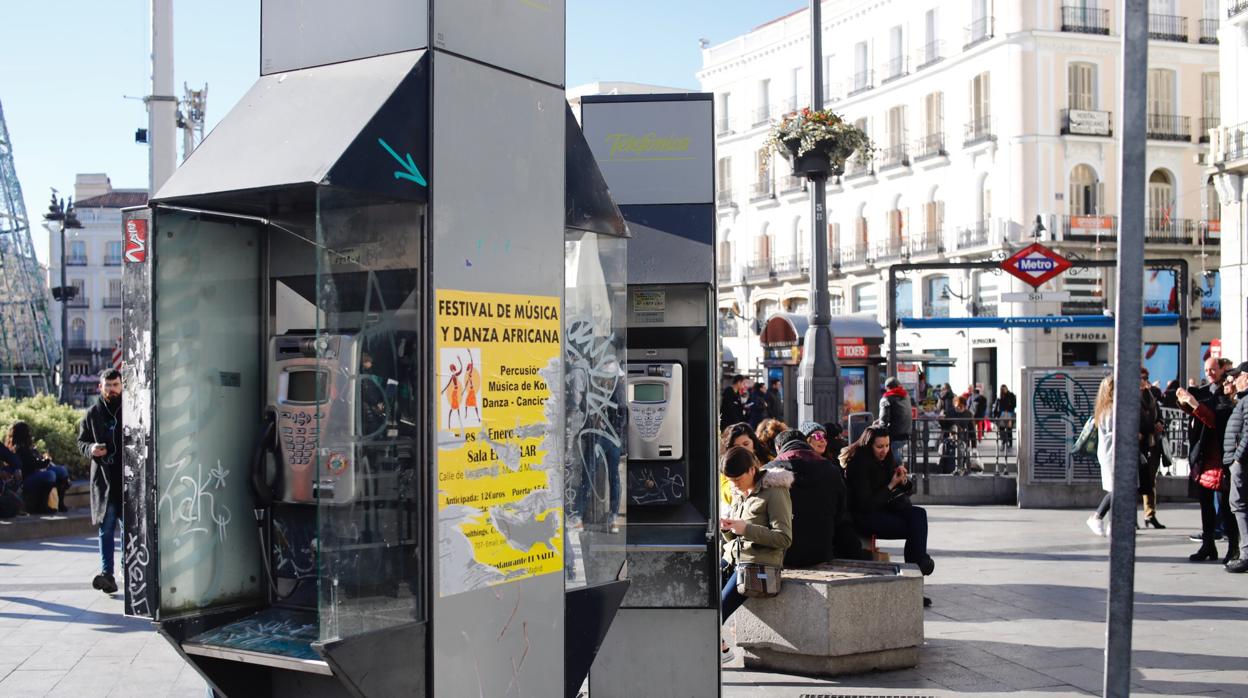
(656, 407)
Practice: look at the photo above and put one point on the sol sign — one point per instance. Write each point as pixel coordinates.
(1035, 264)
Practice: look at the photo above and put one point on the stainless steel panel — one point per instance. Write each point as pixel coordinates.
(659, 653)
(298, 34)
(523, 36)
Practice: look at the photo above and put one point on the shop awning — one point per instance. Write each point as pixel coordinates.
(360, 126)
(787, 329)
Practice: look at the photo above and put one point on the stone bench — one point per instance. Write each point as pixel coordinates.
(844, 617)
(78, 494)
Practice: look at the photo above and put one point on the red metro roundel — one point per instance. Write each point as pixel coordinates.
(1035, 264)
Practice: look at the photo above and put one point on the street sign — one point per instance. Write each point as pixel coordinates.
(915, 323)
(1035, 264)
(1035, 296)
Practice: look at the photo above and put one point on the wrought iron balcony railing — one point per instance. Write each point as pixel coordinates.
(112, 301)
(974, 235)
(1207, 123)
(894, 156)
(790, 184)
(1167, 27)
(1085, 20)
(1169, 127)
(759, 269)
(930, 54)
(792, 266)
(978, 32)
(1209, 31)
(863, 81)
(760, 191)
(978, 130)
(723, 273)
(76, 261)
(1236, 7)
(930, 146)
(111, 261)
(898, 67)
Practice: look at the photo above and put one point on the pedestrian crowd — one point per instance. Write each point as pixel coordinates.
(1217, 449)
(795, 498)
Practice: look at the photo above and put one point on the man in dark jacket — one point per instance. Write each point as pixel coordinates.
(1209, 410)
(99, 438)
(775, 410)
(731, 404)
(822, 527)
(896, 415)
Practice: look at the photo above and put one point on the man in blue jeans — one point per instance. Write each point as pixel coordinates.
(99, 438)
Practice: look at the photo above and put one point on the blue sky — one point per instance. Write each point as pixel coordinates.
(67, 66)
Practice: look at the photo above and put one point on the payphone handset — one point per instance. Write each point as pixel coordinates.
(312, 397)
(656, 411)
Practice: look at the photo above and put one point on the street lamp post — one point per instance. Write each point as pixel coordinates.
(63, 212)
(818, 394)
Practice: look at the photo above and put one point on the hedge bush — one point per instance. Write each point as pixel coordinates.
(54, 426)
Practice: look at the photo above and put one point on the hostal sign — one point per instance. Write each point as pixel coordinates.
(1035, 264)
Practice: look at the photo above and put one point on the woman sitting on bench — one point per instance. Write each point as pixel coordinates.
(879, 495)
(758, 527)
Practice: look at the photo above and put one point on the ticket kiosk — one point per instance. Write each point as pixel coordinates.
(345, 395)
(859, 344)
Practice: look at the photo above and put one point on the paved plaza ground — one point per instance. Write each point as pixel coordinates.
(1019, 609)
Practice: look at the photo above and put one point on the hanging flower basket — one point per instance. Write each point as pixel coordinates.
(818, 143)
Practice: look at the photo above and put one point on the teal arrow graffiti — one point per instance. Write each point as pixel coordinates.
(412, 172)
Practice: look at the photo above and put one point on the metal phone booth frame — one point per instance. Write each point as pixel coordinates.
(368, 211)
(859, 343)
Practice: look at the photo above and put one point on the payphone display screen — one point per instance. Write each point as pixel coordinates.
(306, 387)
(649, 392)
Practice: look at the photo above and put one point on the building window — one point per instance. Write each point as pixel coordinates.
(1213, 209)
(1084, 198)
(114, 329)
(1210, 103)
(936, 296)
(1160, 92)
(1160, 201)
(763, 246)
(1081, 86)
(980, 94)
(865, 299)
(723, 181)
(763, 187)
(78, 331)
(904, 300)
(862, 79)
(77, 253)
(723, 118)
(113, 253)
(79, 368)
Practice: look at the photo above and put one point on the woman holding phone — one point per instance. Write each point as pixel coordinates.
(758, 527)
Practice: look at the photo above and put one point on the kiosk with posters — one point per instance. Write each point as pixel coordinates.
(859, 341)
(345, 398)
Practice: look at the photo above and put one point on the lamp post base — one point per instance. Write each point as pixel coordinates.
(818, 377)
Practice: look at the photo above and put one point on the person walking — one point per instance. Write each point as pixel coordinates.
(99, 438)
(758, 528)
(1004, 410)
(897, 416)
(1150, 448)
(1103, 423)
(979, 410)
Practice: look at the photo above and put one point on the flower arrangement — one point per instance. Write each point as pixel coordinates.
(823, 132)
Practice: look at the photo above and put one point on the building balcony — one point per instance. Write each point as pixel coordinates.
(937, 309)
(761, 116)
(894, 156)
(1236, 8)
(79, 302)
(112, 301)
(1209, 31)
(793, 266)
(978, 131)
(723, 197)
(762, 191)
(930, 242)
(929, 55)
(723, 273)
(723, 126)
(1169, 127)
(854, 255)
(891, 251)
(790, 184)
(1086, 122)
(759, 270)
(1089, 228)
(79, 345)
(1167, 27)
(111, 261)
(977, 309)
(977, 32)
(75, 261)
(790, 105)
(1229, 144)
(856, 168)
(1085, 20)
(863, 81)
(897, 68)
(1208, 123)
(930, 146)
(974, 235)
(1165, 230)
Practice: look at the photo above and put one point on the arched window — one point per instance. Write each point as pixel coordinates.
(1160, 202)
(1084, 198)
(78, 330)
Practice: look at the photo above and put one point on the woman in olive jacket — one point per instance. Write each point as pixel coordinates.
(758, 527)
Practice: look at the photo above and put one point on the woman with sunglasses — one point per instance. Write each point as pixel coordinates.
(817, 437)
(879, 495)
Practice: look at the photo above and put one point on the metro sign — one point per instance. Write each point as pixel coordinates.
(1036, 264)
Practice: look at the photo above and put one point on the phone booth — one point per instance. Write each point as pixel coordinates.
(859, 354)
(345, 338)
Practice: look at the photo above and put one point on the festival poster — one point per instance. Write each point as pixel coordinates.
(500, 497)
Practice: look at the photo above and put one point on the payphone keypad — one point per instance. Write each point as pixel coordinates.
(647, 419)
(300, 436)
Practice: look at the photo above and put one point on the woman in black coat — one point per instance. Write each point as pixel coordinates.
(879, 495)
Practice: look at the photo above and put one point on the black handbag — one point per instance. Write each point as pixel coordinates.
(755, 580)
